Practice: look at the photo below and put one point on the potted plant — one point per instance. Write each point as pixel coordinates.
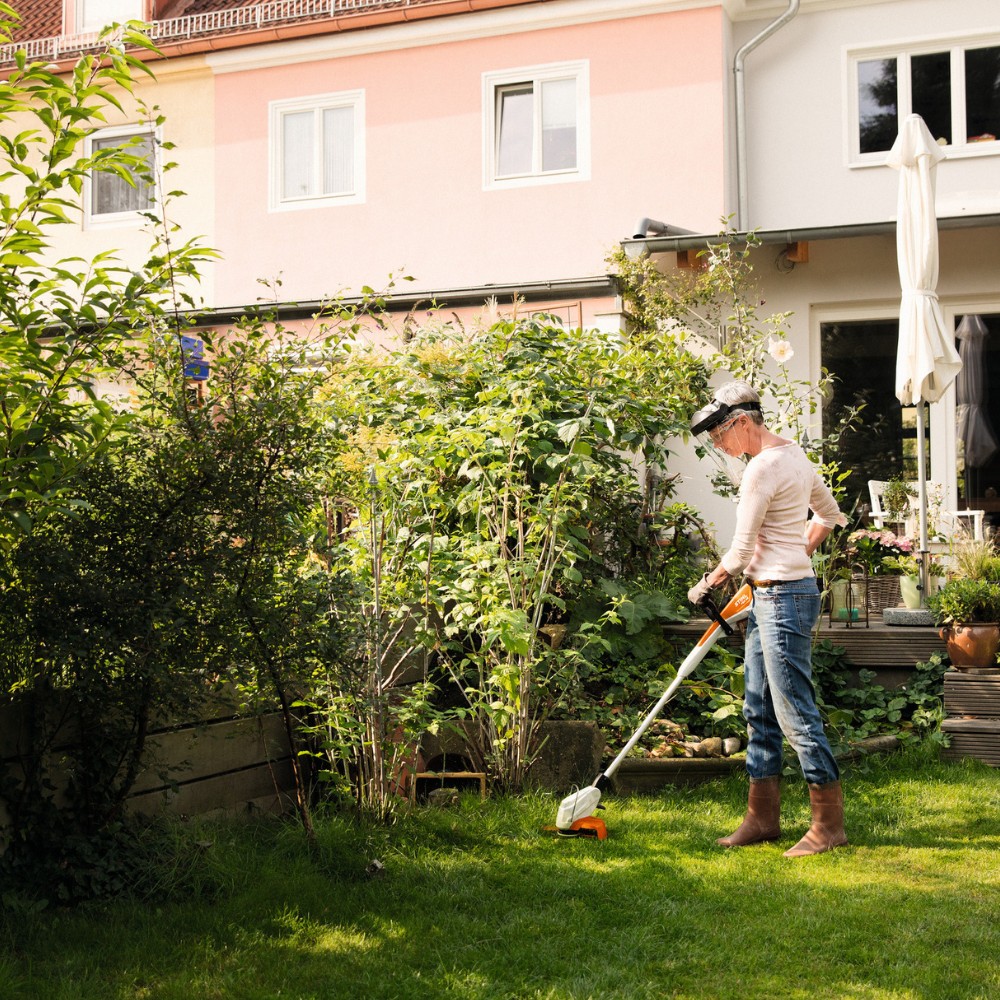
(896, 498)
(969, 613)
(871, 549)
(908, 568)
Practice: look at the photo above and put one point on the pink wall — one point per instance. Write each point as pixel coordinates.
(657, 96)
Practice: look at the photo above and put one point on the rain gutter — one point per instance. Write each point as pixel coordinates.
(443, 298)
(742, 210)
(673, 244)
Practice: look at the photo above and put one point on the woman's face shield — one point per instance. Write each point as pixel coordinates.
(723, 435)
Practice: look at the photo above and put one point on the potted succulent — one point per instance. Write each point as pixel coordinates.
(969, 611)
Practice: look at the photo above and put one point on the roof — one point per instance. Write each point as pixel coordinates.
(700, 241)
(38, 19)
(196, 25)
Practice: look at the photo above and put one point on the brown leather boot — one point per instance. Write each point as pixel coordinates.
(827, 830)
(762, 821)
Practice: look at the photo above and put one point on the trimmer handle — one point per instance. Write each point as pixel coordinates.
(709, 607)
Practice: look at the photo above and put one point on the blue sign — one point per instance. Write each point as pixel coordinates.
(196, 371)
(193, 353)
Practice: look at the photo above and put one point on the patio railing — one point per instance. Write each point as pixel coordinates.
(233, 19)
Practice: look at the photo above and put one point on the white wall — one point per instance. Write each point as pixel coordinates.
(855, 279)
(798, 98)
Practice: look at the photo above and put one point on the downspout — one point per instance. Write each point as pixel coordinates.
(742, 211)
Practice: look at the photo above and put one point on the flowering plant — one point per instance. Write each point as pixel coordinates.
(870, 548)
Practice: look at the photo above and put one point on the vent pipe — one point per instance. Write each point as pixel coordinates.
(742, 211)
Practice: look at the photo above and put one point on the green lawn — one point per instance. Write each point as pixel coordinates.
(477, 902)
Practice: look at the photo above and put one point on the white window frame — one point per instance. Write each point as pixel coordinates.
(494, 80)
(83, 25)
(959, 148)
(110, 220)
(318, 103)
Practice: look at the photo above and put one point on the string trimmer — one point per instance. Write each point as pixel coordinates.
(576, 812)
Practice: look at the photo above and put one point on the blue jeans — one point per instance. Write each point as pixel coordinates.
(779, 698)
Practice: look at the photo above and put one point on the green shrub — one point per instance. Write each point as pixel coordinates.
(966, 601)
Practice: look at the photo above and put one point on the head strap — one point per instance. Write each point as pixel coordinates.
(711, 416)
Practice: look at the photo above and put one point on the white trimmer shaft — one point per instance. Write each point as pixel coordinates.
(585, 801)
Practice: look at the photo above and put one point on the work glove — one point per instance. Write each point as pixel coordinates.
(699, 591)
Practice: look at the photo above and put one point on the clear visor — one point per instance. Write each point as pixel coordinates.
(726, 446)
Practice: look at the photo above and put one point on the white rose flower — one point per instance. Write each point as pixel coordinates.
(780, 350)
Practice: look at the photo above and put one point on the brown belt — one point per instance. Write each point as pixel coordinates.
(767, 583)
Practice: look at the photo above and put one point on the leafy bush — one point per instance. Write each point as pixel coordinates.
(504, 466)
(854, 708)
(966, 601)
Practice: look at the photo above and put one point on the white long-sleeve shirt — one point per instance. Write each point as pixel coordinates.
(779, 488)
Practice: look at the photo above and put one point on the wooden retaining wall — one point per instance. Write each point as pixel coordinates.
(891, 651)
(225, 763)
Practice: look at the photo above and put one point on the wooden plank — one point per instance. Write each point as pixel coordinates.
(263, 786)
(444, 776)
(972, 694)
(879, 645)
(963, 746)
(200, 751)
(972, 725)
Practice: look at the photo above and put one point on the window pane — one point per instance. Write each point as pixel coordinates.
(98, 14)
(515, 113)
(109, 192)
(877, 110)
(930, 80)
(862, 358)
(982, 94)
(558, 124)
(297, 154)
(338, 150)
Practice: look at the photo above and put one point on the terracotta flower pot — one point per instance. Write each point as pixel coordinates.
(972, 647)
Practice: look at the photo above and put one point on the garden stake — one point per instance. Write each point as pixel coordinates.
(576, 811)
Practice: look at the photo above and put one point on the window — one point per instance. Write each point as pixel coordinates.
(95, 15)
(537, 125)
(861, 355)
(954, 88)
(317, 151)
(111, 199)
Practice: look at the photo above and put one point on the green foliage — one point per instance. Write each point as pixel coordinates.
(503, 461)
(719, 302)
(975, 559)
(896, 497)
(63, 324)
(854, 708)
(966, 601)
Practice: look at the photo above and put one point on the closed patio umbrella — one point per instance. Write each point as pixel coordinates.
(926, 359)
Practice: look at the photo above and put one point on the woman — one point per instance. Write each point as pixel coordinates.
(772, 545)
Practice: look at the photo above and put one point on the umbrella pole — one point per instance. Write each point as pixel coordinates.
(922, 489)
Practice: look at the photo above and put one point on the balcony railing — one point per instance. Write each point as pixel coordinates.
(233, 19)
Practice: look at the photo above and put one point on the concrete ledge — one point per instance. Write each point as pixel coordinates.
(638, 775)
(907, 617)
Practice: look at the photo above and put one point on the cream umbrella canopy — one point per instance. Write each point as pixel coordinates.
(926, 359)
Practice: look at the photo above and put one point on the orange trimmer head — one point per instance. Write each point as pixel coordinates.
(588, 826)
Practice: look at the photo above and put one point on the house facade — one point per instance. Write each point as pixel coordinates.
(826, 92)
(482, 148)
(504, 147)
